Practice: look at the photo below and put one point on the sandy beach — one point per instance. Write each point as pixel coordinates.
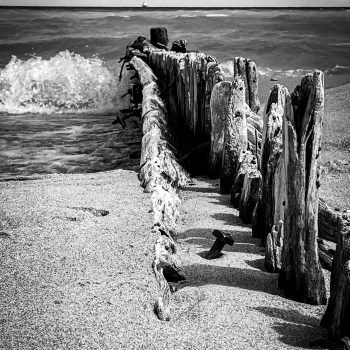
(72, 278)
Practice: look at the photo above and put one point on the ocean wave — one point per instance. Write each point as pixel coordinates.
(290, 73)
(294, 73)
(187, 16)
(341, 44)
(66, 82)
(227, 68)
(337, 69)
(217, 15)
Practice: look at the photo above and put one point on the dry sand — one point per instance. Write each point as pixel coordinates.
(72, 280)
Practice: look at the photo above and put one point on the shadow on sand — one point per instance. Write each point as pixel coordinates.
(208, 273)
(203, 238)
(296, 329)
(202, 274)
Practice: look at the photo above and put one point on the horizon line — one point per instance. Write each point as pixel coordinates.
(180, 7)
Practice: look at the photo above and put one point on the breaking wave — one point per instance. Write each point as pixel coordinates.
(64, 83)
(338, 70)
(228, 70)
(217, 15)
(291, 73)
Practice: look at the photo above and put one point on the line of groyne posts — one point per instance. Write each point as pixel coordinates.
(194, 121)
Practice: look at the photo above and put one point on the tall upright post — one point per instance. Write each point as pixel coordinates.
(301, 275)
(159, 37)
(219, 102)
(235, 139)
(270, 155)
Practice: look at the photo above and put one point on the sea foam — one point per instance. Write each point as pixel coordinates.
(64, 83)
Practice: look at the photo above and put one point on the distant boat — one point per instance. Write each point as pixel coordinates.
(144, 4)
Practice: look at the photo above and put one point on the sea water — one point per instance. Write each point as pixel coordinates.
(59, 86)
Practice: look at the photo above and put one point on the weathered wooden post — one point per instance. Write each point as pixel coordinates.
(235, 139)
(250, 195)
(159, 37)
(252, 78)
(247, 163)
(337, 316)
(301, 275)
(219, 104)
(246, 68)
(270, 155)
(274, 244)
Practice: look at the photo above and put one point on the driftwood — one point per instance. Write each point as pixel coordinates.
(219, 103)
(301, 275)
(246, 68)
(270, 155)
(235, 139)
(337, 315)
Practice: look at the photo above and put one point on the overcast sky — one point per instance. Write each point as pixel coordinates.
(179, 3)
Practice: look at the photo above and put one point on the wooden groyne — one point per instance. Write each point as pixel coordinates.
(195, 120)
